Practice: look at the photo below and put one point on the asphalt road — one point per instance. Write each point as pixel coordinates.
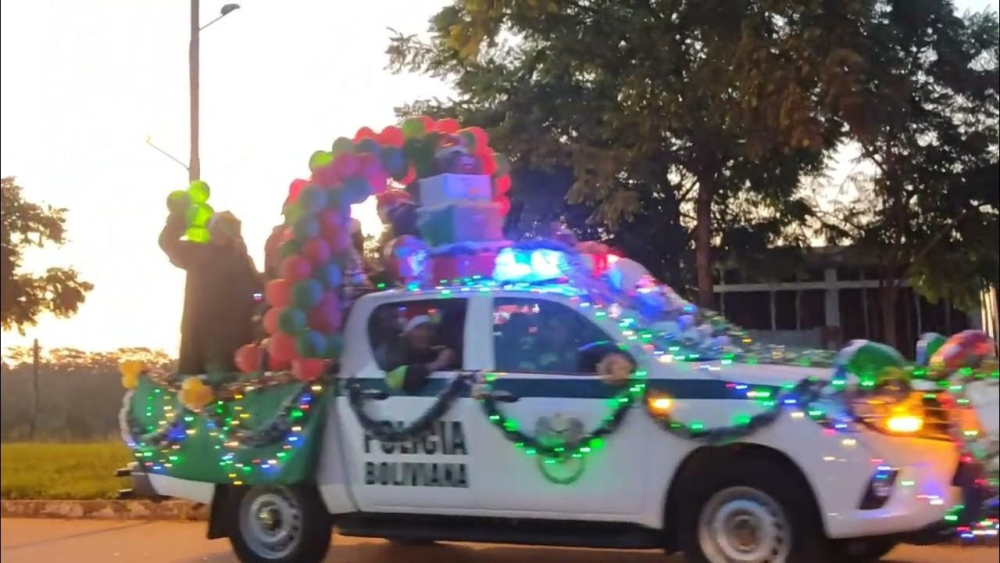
(92, 541)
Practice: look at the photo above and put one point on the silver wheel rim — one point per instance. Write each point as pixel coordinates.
(271, 523)
(744, 525)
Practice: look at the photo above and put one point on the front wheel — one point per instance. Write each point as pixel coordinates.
(276, 524)
(750, 510)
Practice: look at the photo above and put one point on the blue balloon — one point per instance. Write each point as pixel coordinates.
(369, 146)
(331, 275)
(306, 228)
(312, 199)
(393, 161)
(355, 190)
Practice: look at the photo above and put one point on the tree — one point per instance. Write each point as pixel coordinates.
(927, 125)
(706, 101)
(24, 296)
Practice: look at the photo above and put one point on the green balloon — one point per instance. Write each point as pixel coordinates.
(307, 294)
(413, 128)
(320, 159)
(310, 344)
(468, 139)
(334, 346)
(199, 215)
(290, 248)
(291, 321)
(871, 358)
(340, 146)
(199, 192)
(293, 213)
(197, 234)
(178, 202)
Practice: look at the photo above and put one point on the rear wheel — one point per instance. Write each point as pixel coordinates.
(277, 524)
(750, 511)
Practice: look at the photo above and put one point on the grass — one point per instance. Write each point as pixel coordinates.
(62, 471)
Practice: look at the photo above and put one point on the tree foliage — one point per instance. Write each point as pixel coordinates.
(709, 104)
(927, 127)
(24, 296)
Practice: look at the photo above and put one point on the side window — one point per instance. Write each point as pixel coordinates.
(416, 332)
(537, 336)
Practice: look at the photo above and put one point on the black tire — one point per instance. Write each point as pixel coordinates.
(751, 490)
(410, 543)
(863, 550)
(302, 528)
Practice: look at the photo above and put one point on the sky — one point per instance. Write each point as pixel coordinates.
(85, 82)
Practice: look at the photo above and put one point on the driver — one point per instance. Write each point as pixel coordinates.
(558, 348)
(419, 359)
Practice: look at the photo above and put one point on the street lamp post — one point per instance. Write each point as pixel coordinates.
(194, 166)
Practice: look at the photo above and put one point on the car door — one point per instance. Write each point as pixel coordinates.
(432, 470)
(549, 391)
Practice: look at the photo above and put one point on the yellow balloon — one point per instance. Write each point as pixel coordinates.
(195, 395)
(131, 370)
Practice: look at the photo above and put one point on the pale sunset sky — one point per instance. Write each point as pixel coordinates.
(84, 82)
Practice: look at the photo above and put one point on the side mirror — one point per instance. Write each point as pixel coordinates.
(591, 355)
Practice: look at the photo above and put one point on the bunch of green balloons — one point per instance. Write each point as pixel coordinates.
(193, 205)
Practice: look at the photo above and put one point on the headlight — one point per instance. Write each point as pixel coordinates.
(901, 418)
(904, 424)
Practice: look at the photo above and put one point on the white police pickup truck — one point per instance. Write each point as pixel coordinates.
(520, 441)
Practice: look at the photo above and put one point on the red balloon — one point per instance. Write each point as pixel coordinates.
(270, 319)
(278, 293)
(488, 162)
(274, 364)
(295, 268)
(504, 202)
(364, 133)
(330, 222)
(347, 165)
(428, 123)
(326, 176)
(447, 126)
(248, 358)
(325, 317)
(309, 369)
(501, 185)
(295, 188)
(391, 137)
(281, 347)
(317, 251)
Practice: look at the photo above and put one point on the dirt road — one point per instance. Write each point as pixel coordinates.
(90, 541)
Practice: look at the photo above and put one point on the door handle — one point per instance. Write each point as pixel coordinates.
(504, 397)
(374, 395)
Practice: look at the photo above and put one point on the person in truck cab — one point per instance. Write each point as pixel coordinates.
(220, 293)
(419, 357)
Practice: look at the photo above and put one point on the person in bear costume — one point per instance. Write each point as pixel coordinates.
(221, 293)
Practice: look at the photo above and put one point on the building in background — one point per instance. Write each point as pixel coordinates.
(830, 297)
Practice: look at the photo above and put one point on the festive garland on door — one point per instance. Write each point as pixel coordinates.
(620, 405)
(801, 396)
(384, 431)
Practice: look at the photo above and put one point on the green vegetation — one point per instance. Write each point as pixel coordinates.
(62, 471)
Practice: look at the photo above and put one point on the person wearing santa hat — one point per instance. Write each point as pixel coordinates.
(420, 358)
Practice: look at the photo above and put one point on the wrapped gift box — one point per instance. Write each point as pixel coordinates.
(449, 267)
(445, 189)
(461, 222)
